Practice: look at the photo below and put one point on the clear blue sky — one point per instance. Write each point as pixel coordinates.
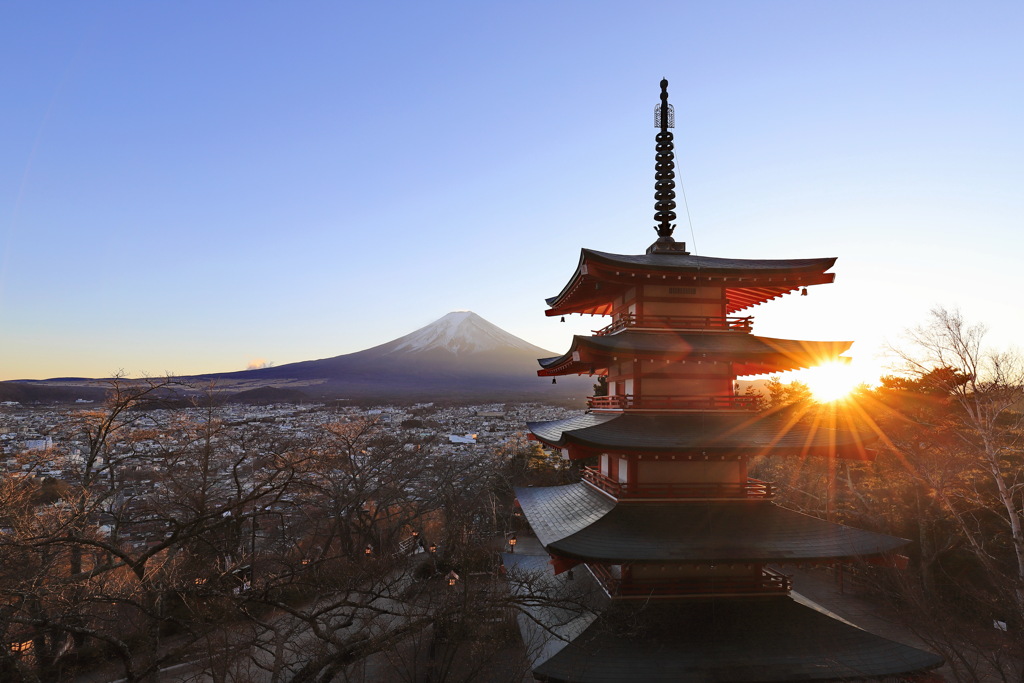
(190, 186)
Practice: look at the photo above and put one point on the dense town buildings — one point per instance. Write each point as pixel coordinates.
(190, 518)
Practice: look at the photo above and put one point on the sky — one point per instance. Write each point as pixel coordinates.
(195, 187)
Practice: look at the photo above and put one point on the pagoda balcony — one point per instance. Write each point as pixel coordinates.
(752, 489)
(677, 323)
(673, 403)
(770, 582)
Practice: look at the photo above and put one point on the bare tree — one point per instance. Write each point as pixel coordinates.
(145, 541)
(246, 550)
(986, 389)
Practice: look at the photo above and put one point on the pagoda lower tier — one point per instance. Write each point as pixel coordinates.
(718, 435)
(578, 634)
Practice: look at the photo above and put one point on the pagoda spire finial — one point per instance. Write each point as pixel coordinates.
(665, 177)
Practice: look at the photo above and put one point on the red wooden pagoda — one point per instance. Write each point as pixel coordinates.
(677, 541)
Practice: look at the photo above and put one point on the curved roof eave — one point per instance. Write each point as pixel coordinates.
(779, 355)
(708, 264)
(719, 432)
(577, 521)
(727, 639)
(690, 264)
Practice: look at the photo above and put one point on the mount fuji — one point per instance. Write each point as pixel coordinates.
(460, 355)
(459, 332)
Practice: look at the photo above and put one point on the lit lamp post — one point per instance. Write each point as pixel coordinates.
(512, 544)
(452, 578)
(368, 551)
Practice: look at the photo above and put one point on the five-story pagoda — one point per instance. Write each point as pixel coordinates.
(678, 541)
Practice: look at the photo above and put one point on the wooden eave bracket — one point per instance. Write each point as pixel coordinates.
(562, 563)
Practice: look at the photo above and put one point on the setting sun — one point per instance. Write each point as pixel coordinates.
(830, 381)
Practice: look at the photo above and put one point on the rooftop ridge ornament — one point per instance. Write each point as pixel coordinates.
(665, 179)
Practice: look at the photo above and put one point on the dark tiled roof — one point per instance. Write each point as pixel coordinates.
(710, 264)
(559, 511)
(734, 640)
(580, 522)
(792, 272)
(780, 354)
(715, 432)
(551, 432)
(685, 344)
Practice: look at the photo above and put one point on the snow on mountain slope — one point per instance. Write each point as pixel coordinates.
(460, 332)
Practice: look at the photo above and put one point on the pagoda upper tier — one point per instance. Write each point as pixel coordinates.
(744, 353)
(600, 278)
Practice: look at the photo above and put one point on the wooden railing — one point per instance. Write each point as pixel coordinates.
(677, 322)
(768, 583)
(682, 403)
(752, 489)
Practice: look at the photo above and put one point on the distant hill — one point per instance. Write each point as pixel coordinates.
(461, 356)
(267, 395)
(34, 391)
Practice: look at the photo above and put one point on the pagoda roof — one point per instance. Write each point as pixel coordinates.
(735, 639)
(717, 433)
(748, 282)
(580, 522)
(748, 354)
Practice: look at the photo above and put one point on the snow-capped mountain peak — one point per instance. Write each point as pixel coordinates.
(460, 332)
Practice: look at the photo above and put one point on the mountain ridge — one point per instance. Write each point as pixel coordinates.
(458, 355)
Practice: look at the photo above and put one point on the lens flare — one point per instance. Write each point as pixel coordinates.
(830, 381)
